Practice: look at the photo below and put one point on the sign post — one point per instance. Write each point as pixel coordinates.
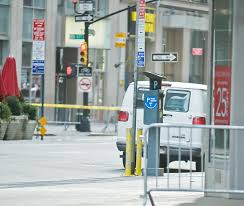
(38, 54)
(139, 63)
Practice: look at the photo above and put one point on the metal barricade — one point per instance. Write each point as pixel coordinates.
(104, 117)
(190, 181)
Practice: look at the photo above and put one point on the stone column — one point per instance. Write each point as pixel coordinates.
(15, 35)
(50, 57)
(186, 44)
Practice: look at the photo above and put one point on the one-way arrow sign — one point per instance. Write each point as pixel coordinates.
(83, 17)
(165, 57)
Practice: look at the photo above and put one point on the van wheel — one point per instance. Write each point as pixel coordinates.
(124, 159)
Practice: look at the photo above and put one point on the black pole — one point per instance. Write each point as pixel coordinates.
(84, 121)
(85, 94)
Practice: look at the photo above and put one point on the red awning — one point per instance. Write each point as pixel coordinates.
(3, 92)
(9, 75)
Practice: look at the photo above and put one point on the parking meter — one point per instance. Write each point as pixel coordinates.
(153, 113)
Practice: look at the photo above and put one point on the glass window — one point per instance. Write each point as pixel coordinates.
(177, 100)
(28, 16)
(101, 7)
(35, 3)
(4, 17)
(222, 34)
(6, 2)
(4, 50)
(1, 52)
(27, 23)
(26, 54)
(27, 2)
(197, 69)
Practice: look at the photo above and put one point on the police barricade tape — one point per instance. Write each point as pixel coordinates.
(70, 106)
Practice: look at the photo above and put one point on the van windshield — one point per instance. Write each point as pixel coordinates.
(177, 100)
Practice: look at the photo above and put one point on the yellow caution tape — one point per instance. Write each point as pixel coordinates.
(70, 106)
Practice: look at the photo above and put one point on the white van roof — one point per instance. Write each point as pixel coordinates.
(175, 85)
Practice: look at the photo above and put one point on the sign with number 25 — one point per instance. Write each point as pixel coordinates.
(222, 95)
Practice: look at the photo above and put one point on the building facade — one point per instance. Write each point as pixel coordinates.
(171, 26)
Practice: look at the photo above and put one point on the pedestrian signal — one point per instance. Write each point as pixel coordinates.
(71, 71)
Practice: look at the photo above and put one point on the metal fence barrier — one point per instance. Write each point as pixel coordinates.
(67, 115)
(184, 178)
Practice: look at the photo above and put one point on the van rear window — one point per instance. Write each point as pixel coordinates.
(177, 100)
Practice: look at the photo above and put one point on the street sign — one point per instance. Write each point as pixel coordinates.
(43, 131)
(140, 59)
(120, 39)
(197, 51)
(170, 57)
(84, 84)
(84, 17)
(85, 71)
(38, 67)
(222, 95)
(38, 33)
(141, 34)
(85, 5)
(42, 121)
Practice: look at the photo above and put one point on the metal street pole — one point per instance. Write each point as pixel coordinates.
(86, 124)
(139, 63)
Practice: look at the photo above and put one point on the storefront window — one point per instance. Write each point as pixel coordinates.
(222, 35)
(198, 56)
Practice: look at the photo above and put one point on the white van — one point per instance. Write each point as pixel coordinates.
(183, 103)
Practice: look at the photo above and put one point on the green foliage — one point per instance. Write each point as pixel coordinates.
(21, 98)
(5, 112)
(30, 110)
(14, 105)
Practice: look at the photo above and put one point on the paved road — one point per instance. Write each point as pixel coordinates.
(72, 169)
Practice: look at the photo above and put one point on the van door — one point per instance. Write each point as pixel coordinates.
(177, 110)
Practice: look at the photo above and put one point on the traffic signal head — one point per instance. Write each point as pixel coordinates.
(83, 54)
(71, 71)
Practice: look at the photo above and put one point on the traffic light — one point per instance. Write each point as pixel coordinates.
(83, 54)
(71, 71)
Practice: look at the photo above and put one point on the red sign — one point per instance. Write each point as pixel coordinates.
(222, 95)
(38, 30)
(197, 51)
(142, 9)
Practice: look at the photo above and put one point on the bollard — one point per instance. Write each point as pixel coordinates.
(128, 152)
(138, 152)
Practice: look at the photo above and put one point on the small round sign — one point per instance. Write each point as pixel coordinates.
(85, 84)
(151, 102)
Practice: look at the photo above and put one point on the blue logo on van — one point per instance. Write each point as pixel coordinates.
(151, 102)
